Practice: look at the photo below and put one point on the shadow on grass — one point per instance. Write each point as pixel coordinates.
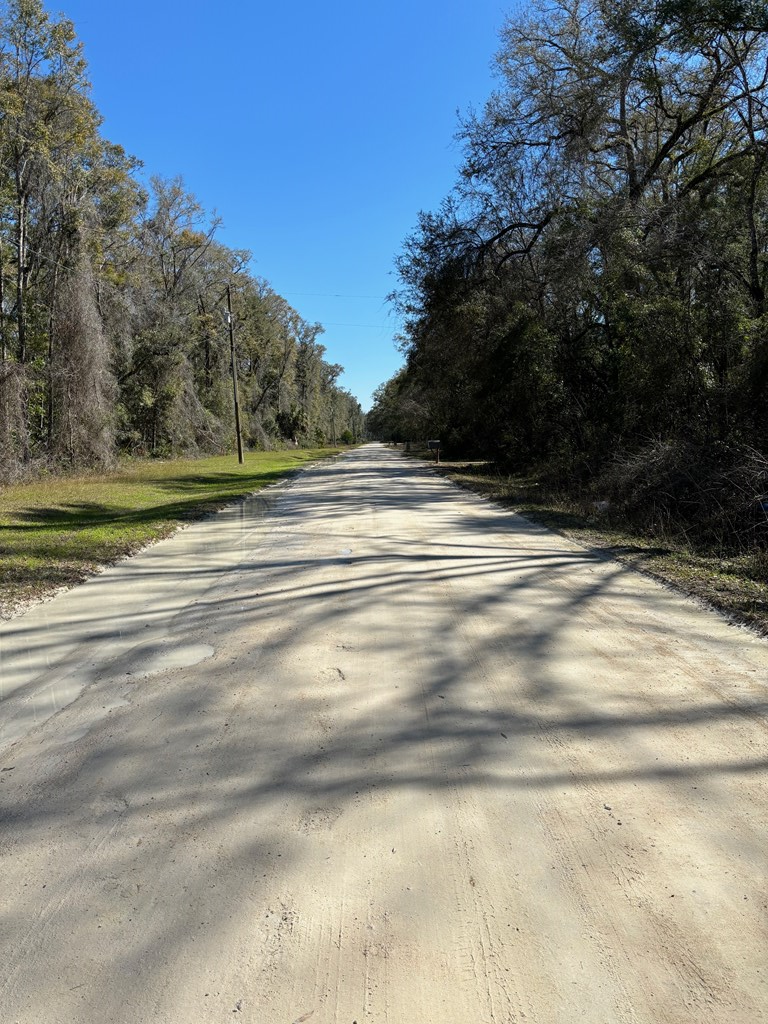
(50, 547)
(85, 515)
(239, 483)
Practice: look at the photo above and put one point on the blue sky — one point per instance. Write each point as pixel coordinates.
(316, 131)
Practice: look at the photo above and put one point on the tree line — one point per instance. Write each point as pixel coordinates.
(592, 295)
(113, 330)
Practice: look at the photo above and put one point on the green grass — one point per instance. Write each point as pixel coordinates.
(58, 531)
(736, 585)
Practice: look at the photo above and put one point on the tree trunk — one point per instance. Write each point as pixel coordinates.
(51, 329)
(21, 273)
(3, 338)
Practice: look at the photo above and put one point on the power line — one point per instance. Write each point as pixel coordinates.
(337, 295)
(383, 327)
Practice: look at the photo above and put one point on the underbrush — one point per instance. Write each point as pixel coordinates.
(712, 499)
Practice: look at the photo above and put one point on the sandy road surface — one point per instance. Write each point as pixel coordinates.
(382, 753)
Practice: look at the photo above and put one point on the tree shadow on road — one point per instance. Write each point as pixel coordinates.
(445, 663)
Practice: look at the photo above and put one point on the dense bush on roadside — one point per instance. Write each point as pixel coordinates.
(714, 498)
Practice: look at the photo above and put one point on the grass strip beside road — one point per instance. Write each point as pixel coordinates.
(58, 531)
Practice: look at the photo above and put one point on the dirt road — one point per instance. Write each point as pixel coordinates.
(376, 751)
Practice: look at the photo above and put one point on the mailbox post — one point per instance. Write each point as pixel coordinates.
(434, 446)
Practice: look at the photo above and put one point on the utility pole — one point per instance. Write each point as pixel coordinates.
(232, 356)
